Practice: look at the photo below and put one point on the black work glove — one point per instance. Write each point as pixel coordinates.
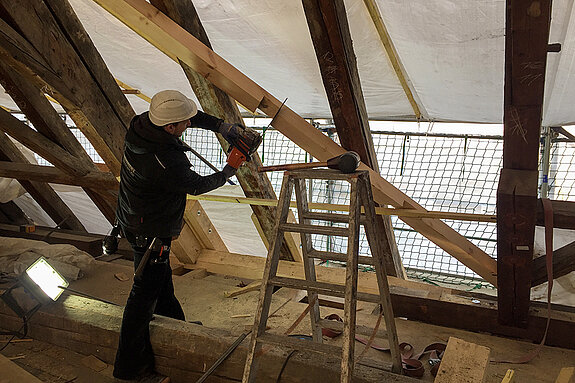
(229, 171)
(230, 132)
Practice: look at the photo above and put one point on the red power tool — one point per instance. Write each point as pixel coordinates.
(243, 146)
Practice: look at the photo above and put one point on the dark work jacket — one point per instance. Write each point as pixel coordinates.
(156, 177)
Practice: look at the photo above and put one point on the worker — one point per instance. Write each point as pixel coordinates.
(155, 179)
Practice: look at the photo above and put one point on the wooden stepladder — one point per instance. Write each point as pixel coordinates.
(360, 197)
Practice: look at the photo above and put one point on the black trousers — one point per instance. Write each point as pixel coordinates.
(153, 293)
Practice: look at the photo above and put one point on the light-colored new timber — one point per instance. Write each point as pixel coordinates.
(463, 362)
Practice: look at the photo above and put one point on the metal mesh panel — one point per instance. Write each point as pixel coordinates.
(454, 173)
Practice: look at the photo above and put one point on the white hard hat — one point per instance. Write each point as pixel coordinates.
(171, 106)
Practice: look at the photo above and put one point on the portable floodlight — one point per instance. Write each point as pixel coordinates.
(43, 282)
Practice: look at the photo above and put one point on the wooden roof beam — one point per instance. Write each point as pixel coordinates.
(42, 193)
(49, 174)
(526, 40)
(159, 30)
(327, 22)
(416, 104)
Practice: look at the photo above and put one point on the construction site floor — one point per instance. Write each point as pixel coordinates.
(203, 299)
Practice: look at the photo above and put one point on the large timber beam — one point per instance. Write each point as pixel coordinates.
(563, 214)
(216, 102)
(29, 172)
(33, 103)
(42, 193)
(71, 67)
(526, 40)
(327, 22)
(563, 264)
(171, 39)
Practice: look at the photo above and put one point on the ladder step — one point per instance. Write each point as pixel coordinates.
(322, 174)
(299, 344)
(324, 288)
(331, 256)
(329, 289)
(333, 217)
(362, 330)
(315, 229)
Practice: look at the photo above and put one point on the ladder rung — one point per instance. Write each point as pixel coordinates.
(333, 217)
(324, 288)
(315, 229)
(362, 330)
(331, 256)
(323, 174)
(299, 344)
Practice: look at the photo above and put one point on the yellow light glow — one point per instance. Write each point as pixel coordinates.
(47, 278)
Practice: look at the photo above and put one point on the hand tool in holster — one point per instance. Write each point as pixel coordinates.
(156, 245)
(243, 146)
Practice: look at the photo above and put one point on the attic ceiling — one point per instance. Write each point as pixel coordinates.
(452, 52)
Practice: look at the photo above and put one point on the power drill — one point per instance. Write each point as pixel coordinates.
(243, 146)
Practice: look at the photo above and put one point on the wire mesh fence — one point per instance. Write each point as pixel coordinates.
(450, 173)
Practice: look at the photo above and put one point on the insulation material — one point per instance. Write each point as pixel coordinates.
(16, 254)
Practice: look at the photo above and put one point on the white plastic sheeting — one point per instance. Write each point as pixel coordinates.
(452, 50)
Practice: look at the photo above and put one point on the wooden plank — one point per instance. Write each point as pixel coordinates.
(566, 375)
(414, 300)
(187, 246)
(509, 377)
(410, 213)
(526, 39)
(400, 72)
(327, 22)
(12, 214)
(12, 373)
(463, 362)
(42, 193)
(217, 103)
(175, 42)
(41, 173)
(204, 230)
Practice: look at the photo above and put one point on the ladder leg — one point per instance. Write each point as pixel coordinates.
(348, 346)
(270, 270)
(379, 264)
(309, 266)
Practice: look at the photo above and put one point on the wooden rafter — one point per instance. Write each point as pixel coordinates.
(48, 123)
(526, 40)
(53, 42)
(169, 37)
(327, 22)
(26, 171)
(42, 193)
(393, 57)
